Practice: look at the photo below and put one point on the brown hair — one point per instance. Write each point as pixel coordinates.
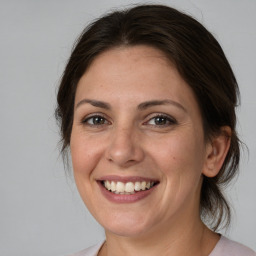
(200, 61)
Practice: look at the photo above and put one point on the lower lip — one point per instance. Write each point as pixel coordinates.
(117, 198)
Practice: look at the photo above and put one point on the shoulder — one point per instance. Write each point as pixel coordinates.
(227, 247)
(90, 251)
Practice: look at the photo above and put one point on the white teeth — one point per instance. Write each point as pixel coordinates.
(113, 186)
(137, 186)
(120, 187)
(107, 185)
(127, 188)
(143, 185)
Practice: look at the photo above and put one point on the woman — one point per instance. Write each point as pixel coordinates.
(147, 108)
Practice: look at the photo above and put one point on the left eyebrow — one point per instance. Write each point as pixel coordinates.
(148, 104)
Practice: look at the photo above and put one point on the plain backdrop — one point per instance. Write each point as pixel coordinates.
(41, 213)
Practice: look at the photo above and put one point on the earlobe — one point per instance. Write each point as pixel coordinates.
(216, 152)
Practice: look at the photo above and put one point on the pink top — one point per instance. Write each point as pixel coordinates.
(224, 247)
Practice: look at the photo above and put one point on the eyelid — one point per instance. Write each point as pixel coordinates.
(171, 119)
(92, 115)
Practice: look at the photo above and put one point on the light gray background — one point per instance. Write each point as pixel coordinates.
(40, 210)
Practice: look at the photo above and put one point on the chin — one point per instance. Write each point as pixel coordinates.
(126, 230)
(128, 227)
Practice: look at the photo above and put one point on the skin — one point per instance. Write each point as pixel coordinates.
(128, 141)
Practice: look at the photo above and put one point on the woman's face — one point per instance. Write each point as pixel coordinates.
(137, 142)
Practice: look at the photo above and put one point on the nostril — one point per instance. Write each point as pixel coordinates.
(123, 156)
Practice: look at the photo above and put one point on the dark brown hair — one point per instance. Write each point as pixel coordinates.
(200, 61)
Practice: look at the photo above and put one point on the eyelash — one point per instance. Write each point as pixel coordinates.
(165, 118)
(94, 118)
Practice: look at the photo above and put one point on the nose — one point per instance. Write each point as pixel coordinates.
(124, 148)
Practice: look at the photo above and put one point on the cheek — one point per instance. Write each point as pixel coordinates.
(180, 159)
(180, 149)
(84, 154)
(85, 157)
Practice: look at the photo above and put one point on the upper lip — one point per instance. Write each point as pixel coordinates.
(126, 179)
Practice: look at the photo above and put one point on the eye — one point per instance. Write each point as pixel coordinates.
(96, 120)
(161, 120)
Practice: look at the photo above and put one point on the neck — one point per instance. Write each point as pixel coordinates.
(188, 239)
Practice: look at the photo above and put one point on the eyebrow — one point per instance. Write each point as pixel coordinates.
(153, 103)
(95, 103)
(141, 106)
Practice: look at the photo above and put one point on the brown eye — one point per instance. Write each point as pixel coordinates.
(95, 120)
(161, 120)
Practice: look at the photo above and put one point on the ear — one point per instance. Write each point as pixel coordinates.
(216, 151)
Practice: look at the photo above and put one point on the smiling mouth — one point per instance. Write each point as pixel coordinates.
(127, 188)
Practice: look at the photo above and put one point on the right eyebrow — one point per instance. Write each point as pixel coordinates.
(95, 103)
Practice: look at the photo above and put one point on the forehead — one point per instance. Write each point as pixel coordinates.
(131, 55)
(139, 72)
